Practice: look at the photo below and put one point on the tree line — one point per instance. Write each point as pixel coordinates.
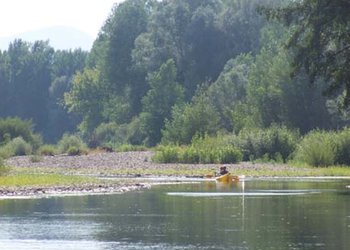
(168, 71)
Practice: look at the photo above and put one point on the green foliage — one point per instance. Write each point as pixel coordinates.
(71, 141)
(138, 84)
(318, 148)
(126, 86)
(167, 154)
(320, 41)
(164, 93)
(73, 151)
(129, 147)
(197, 118)
(86, 98)
(48, 150)
(35, 158)
(108, 134)
(274, 97)
(204, 150)
(274, 143)
(27, 77)
(11, 128)
(16, 147)
(342, 140)
(229, 91)
(135, 132)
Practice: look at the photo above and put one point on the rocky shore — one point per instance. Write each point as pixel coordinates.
(131, 165)
(42, 192)
(128, 163)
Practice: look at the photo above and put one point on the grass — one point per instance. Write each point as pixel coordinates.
(43, 180)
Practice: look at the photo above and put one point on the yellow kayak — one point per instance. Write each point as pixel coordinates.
(224, 178)
(227, 178)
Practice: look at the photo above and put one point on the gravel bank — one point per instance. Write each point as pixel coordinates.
(125, 164)
(133, 163)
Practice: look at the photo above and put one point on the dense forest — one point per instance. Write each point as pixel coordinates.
(168, 71)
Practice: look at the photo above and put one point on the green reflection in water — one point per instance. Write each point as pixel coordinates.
(265, 214)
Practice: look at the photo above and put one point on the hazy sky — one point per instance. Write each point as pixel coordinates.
(19, 16)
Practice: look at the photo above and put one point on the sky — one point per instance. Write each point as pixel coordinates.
(18, 16)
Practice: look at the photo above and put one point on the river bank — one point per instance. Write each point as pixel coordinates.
(126, 171)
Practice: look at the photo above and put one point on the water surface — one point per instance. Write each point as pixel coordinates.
(255, 214)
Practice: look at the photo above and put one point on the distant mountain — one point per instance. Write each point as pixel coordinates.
(60, 37)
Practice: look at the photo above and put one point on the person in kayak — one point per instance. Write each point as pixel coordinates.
(223, 171)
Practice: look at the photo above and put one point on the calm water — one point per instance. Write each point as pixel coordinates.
(268, 214)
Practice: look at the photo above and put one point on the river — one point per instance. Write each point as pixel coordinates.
(254, 214)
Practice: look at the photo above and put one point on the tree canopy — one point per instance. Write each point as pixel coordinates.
(320, 41)
(173, 70)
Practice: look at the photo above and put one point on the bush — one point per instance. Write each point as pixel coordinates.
(342, 140)
(204, 150)
(48, 150)
(135, 132)
(274, 143)
(6, 152)
(230, 154)
(190, 155)
(73, 151)
(11, 128)
(69, 141)
(36, 158)
(106, 134)
(129, 147)
(167, 154)
(187, 121)
(17, 146)
(318, 148)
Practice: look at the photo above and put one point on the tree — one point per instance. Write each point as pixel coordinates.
(86, 99)
(112, 53)
(197, 118)
(320, 41)
(275, 98)
(26, 81)
(65, 64)
(229, 91)
(164, 93)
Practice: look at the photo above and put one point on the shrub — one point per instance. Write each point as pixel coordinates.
(49, 150)
(167, 154)
(276, 143)
(204, 150)
(187, 121)
(190, 155)
(135, 132)
(69, 141)
(230, 154)
(11, 128)
(106, 134)
(6, 152)
(129, 147)
(342, 140)
(18, 146)
(73, 151)
(317, 148)
(36, 158)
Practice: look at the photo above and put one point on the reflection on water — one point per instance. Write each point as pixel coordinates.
(252, 215)
(261, 193)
